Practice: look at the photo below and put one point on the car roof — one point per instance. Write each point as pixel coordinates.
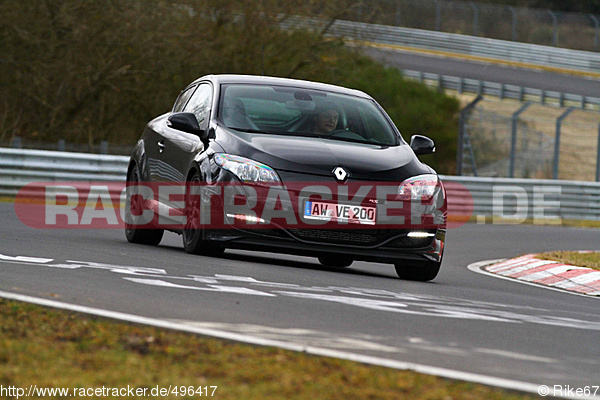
(270, 80)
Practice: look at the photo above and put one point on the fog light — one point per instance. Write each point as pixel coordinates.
(419, 234)
(247, 218)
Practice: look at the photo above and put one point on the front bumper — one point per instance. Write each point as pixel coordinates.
(396, 247)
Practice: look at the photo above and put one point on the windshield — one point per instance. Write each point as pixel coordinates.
(293, 111)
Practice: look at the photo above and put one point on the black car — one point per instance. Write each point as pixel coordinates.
(289, 166)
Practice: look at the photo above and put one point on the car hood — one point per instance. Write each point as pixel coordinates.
(314, 156)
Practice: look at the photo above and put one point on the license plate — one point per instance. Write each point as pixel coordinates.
(345, 213)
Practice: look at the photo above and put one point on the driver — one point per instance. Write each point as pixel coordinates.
(326, 121)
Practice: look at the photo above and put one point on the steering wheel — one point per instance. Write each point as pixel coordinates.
(338, 132)
(345, 133)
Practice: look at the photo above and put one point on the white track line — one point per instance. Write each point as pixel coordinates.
(478, 267)
(384, 362)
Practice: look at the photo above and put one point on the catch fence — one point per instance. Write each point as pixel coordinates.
(529, 140)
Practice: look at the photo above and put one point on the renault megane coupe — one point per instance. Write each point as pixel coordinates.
(288, 166)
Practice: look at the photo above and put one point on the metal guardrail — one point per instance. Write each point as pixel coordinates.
(21, 167)
(505, 91)
(547, 56)
(515, 199)
(520, 199)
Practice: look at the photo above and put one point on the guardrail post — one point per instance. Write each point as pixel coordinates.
(501, 91)
(514, 22)
(461, 83)
(513, 139)
(554, 28)
(521, 93)
(557, 141)
(104, 147)
(597, 31)
(462, 128)
(598, 157)
(61, 145)
(561, 99)
(398, 15)
(475, 18)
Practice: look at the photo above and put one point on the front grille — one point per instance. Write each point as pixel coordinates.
(358, 237)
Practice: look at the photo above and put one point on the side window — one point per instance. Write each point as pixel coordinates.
(200, 104)
(183, 98)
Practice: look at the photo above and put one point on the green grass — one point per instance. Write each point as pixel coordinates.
(54, 348)
(588, 260)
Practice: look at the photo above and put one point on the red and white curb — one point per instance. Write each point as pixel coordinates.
(530, 269)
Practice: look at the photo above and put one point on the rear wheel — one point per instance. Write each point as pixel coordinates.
(133, 211)
(337, 261)
(193, 231)
(422, 271)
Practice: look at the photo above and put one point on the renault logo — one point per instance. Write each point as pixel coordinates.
(340, 174)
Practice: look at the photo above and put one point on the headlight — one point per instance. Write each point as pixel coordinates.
(247, 170)
(420, 187)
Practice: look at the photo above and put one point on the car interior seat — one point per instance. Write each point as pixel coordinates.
(235, 116)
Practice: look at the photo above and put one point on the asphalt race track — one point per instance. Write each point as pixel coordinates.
(462, 321)
(465, 68)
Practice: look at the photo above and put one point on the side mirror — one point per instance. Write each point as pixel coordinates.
(422, 145)
(186, 122)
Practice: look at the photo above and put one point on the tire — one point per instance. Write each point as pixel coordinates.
(150, 237)
(418, 271)
(193, 233)
(336, 261)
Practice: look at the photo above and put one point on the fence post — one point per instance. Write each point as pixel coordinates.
(462, 127)
(597, 31)
(513, 139)
(360, 11)
(598, 157)
(557, 141)
(475, 18)
(514, 22)
(438, 15)
(554, 28)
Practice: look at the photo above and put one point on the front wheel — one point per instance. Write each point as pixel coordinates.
(422, 271)
(193, 231)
